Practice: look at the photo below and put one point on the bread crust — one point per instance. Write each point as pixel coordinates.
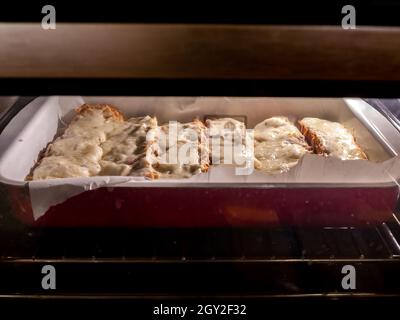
(203, 146)
(312, 139)
(108, 110)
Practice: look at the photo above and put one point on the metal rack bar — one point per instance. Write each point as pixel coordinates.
(317, 244)
(389, 239)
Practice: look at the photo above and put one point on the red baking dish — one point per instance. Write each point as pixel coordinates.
(214, 207)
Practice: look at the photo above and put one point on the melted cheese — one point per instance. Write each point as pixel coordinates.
(228, 140)
(97, 143)
(127, 145)
(77, 152)
(91, 125)
(181, 150)
(278, 145)
(63, 167)
(333, 139)
(109, 168)
(77, 148)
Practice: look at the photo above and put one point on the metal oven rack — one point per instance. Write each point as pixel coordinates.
(208, 244)
(232, 262)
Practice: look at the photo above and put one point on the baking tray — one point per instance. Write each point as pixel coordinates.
(319, 191)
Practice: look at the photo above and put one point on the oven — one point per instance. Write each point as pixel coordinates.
(326, 233)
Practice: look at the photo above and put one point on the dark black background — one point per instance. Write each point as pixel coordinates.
(327, 12)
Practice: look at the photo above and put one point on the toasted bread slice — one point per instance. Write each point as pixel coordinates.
(228, 141)
(77, 151)
(279, 145)
(180, 150)
(331, 139)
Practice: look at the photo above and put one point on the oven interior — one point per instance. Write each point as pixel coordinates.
(173, 59)
(214, 262)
